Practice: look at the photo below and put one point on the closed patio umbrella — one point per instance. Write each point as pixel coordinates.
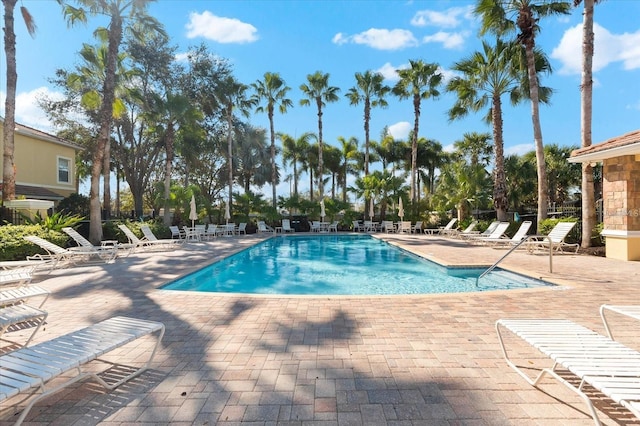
(400, 208)
(322, 212)
(193, 211)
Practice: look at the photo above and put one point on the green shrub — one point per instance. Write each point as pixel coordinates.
(55, 222)
(15, 247)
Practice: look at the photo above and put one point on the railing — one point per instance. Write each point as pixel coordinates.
(529, 237)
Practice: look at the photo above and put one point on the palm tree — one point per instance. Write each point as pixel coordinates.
(273, 90)
(586, 115)
(293, 152)
(371, 92)
(419, 82)
(508, 16)
(8, 167)
(319, 91)
(487, 75)
(232, 96)
(253, 158)
(348, 153)
(117, 11)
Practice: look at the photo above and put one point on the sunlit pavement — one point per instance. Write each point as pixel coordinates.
(260, 360)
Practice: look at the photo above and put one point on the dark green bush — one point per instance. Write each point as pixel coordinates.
(15, 247)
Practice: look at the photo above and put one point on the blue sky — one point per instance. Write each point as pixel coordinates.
(296, 38)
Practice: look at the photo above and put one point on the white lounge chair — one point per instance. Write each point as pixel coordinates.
(469, 230)
(31, 369)
(61, 254)
(15, 313)
(517, 238)
(448, 228)
(497, 234)
(631, 311)
(286, 226)
(417, 228)
(557, 236)
(242, 228)
(263, 227)
(108, 248)
(146, 244)
(596, 360)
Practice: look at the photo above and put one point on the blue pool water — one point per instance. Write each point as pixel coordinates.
(339, 265)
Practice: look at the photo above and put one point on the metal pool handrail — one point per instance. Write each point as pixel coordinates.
(492, 267)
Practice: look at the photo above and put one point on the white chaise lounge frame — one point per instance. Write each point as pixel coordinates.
(599, 361)
(31, 368)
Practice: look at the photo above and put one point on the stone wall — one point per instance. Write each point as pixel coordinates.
(621, 193)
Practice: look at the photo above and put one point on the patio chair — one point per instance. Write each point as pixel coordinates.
(242, 228)
(497, 234)
(469, 230)
(146, 244)
(448, 228)
(150, 236)
(387, 226)
(263, 227)
(61, 254)
(557, 236)
(333, 226)
(286, 226)
(417, 228)
(107, 247)
(517, 238)
(404, 227)
(487, 232)
(315, 226)
(176, 232)
(356, 226)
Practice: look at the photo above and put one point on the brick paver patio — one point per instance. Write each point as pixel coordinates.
(397, 360)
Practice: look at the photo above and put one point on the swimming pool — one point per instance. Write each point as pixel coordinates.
(339, 265)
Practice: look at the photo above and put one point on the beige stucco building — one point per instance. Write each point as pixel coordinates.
(620, 158)
(45, 164)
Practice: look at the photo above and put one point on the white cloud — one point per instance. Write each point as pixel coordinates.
(181, 57)
(520, 149)
(220, 29)
(381, 39)
(400, 130)
(608, 48)
(449, 148)
(390, 72)
(449, 18)
(448, 40)
(28, 111)
(447, 75)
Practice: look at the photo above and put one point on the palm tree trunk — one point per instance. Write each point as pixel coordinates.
(229, 155)
(367, 113)
(537, 133)
(414, 146)
(106, 113)
(500, 199)
(274, 174)
(586, 109)
(320, 148)
(106, 180)
(166, 219)
(8, 167)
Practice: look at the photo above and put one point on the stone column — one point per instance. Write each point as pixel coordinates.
(621, 193)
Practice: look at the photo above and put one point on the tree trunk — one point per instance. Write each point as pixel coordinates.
(586, 110)
(106, 113)
(274, 174)
(414, 146)
(537, 133)
(367, 113)
(106, 180)
(230, 154)
(500, 200)
(166, 218)
(320, 148)
(8, 166)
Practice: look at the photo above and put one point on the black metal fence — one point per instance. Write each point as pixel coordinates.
(12, 216)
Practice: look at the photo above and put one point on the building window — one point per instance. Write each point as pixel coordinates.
(64, 170)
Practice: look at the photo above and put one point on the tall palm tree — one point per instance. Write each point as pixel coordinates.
(508, 16)
(319, 91)
(488, 75)
(253, 158)
(232, 96)
(293, 152)
(371, 92)
(348, 152)
(117, 12)
(273, 91)
(586, 115)
(418, 82)
(8, 167)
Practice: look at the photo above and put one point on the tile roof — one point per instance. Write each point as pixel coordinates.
(625, 140)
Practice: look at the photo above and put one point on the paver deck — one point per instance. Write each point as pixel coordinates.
(343, 360)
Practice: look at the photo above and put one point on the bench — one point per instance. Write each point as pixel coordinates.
(606, 365)
(32, 368)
